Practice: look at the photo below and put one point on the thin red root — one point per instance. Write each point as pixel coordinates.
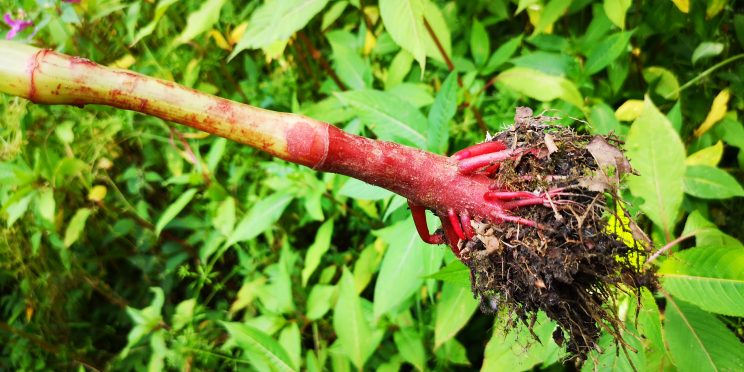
(449, 233)
(471, 165)
(479, 149)
(455, 222)
(508, 195)
(525, 202)
(467, 228)
(419, 219)
(517, 220)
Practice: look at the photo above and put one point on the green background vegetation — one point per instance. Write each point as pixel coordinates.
(130, 243)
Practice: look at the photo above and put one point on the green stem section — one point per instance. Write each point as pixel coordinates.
(427, 179)
(704, 74)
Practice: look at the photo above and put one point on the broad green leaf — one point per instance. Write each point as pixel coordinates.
(507, 345)
(616, 11)
(75, 226)
(201, 20)
(709, 156)
(404, 20)
(291, 341)
(657, 153)
(540, 86)
(174, 209)
(708, 182)
(480, 45)
(354, 188)
(698, 341)
(261, 216)
(366, 265)
(262, 351)
(160, 9)
(352, 329)
(247, 294)
(145, 320)
(274, 22)
(603, 121)
(17, 208)
(454, 310)
(453, 352)
(333, 13)
(714, 7)
(351, 68)
(455, 272)
(390, 118)
(411, 347)
(709, 277)
(707, 234)
(46, 205)
(440, 114)
(606, 51)
(403, 266)
(502, 54)
(706, 50)
(316, 251)
(184, 313)
(224, 219)
(417, 94)
(553, 10)
(319, 301)
(277, 296)
(664, 82)
(399, 68)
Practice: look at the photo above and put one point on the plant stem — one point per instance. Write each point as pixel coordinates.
(429, 180)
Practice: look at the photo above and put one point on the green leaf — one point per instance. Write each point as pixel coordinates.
(707, 182)
(403, 266)
(454, 310)
(440, 114)
(354, 188)
(319, 301)
(160, 9)
(404, 20)
(553, 10)
(664, 82)
(480, 45)
(417, 94)
(455, 272)
(184, 313)
(616, 11)
(291, 341)
(606, 51)
(707, 234)
(353, 331)
(76, 226)
(399, 68)
(46, 205)
(502, 54)
(507, 345)
(709, 277)
(657, 153)
(706, 50)
(351, 68)
(18, 207)
(224, 219)
(276, 21)
(316, 251)
(174, 209)
(333, 13)
(261, 216)
(411, 347)
(540, 86)
(698, 341)
(201, 20)
(390, 118)
(264, 353)
(603, 121)
(453, 352)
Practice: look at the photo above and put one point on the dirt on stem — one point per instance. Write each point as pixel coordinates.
(581, 253)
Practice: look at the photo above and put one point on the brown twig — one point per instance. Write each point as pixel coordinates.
(667, 247)
(318, 57)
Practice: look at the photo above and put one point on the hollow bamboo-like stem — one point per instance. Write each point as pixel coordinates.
(429, 180)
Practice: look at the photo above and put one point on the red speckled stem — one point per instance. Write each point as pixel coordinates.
(426, 179)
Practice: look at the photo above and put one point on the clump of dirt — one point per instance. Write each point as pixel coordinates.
(584, 247)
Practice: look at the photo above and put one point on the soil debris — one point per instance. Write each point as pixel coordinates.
(584, 249)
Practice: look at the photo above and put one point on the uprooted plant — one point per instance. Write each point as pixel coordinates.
(534, 211)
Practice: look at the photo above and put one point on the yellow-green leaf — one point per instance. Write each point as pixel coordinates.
(629, 110)
(540, 86)
(708, 156)
(682, 5)
(616, 11)
(76, 226)
(716, 113)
